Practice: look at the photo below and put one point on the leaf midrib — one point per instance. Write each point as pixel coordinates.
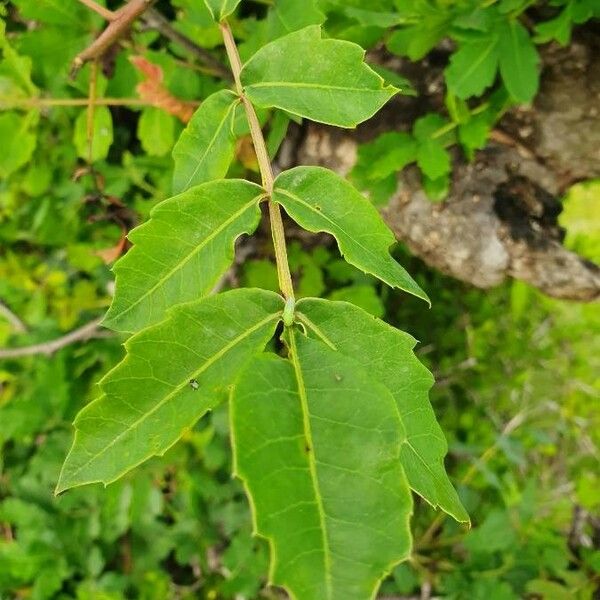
(179, 387)
(291, 84)
(312, 462)
(194, 252)
(475, 65)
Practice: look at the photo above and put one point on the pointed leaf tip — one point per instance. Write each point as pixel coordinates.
(320, 200)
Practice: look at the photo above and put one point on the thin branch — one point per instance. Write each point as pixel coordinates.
(48, 102)
(91, 110)
(90, 330)
(109, 15)
(118, 25)
(13, 319)
(152, 19)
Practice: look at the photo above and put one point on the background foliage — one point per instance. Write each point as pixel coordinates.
(518, 383)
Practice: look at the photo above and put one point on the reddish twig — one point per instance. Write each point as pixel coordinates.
(119, 23)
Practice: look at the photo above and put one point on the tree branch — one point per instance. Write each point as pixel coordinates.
(48, 102)
(119, 23)
(13, 319)
(109, 15)
(90, 330)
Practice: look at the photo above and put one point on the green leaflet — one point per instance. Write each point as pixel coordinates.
(206, 147)
(432, 157)
(173, 373)
(102, 134)
(385, 155)
(319, 200)
(322, 80)
(518, 61)
(220, 9)
(181, 252)
(19, 140)
(387, 354)
(473, 67)
(156, 131)
(316, 442)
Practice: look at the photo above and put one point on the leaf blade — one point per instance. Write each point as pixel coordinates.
(518, 61)
(181, 252)
(387, 353)
(206, 147)
(278, 75)
(147, 400)
(473, 67)
(315, 197)
(338, 520)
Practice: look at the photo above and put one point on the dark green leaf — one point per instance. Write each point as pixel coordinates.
(387, 354)
(518, 61)
(473, 67)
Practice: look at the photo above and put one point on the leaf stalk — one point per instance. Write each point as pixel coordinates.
(264, 163)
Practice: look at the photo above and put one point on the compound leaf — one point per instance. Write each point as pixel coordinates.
(319, 200)
(316, 442)
(173, 373)
(387, 354)
(321, 79)
(206, 147)
(181, 252)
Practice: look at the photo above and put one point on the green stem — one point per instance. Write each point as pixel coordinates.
(264, 163)
(36, 102)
